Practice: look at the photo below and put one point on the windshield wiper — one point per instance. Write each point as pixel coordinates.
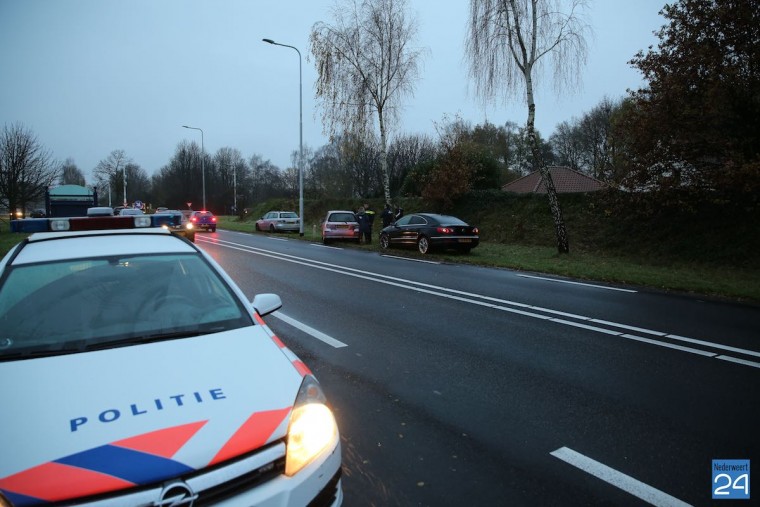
(143, 339)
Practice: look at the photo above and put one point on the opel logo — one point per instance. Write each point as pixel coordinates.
(176, 494)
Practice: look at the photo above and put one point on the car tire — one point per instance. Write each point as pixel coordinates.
(325, 241)
(271, 228)
(465, 250)
(256, 227)
(423, 245)
(213, 229)
(385, 241)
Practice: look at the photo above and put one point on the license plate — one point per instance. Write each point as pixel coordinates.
(342, 227)
(465, 241)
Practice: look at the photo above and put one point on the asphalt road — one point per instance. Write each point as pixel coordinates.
(458, 385)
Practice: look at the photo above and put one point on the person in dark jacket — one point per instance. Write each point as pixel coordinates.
(369, 220)
(387, 216)
(364, 226)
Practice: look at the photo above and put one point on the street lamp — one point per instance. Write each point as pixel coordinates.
(203, 165)
(300, 133)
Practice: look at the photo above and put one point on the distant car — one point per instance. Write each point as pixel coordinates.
(204, 220)
(143, 375)
(175, 221)
(428, 231)
(37, 213)
(340, 224)
(117, 210)
(279, 221)
(100, 211)
(131, 212)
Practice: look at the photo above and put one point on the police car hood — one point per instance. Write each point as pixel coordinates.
(139, 414)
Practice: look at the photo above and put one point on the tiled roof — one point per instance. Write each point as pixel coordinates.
(565, 180)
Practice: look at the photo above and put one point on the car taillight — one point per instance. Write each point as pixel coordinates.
(213, 219)
(194, 219)
(445, 230)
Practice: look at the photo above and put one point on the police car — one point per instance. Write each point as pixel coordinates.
(118, 391)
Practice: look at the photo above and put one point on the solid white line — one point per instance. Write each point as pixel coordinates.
(276, 239)
(617, 479)
(577, 283)
(408, 259)
(319, 335)
(326, 246)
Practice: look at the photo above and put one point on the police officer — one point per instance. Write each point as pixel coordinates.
(387, 216)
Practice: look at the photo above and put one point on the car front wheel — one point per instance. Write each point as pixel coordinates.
(385, 241)
(423, 245)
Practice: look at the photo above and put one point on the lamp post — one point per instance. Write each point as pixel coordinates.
(203, 165)
(300, 132)
(125, 185)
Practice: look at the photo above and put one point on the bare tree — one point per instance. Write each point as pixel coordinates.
(110, 173)
(26, 168)
(71, 174)
(366, 65)
(507, 43)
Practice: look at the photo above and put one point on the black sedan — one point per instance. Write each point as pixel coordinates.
(428, 231)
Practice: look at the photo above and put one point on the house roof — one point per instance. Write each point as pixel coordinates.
(565, 180)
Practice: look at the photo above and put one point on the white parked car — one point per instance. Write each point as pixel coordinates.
(137, 373)
(278, 221)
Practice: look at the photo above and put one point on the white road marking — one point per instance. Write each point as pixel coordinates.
(319, 335)
(739, 361)
(408, 259)
(326, 246)
(276, 239)
(577, 283)
(618, 479)
(489, 302)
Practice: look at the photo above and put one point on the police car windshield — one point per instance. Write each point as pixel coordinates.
(93, 302)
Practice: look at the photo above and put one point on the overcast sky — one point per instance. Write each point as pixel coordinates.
(91, 76)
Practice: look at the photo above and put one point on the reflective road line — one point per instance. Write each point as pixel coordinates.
(319, 335)
(617, 479)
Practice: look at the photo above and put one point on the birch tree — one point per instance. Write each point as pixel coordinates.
(507, 43)
(366, 63)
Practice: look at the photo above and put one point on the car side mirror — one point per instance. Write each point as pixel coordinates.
(266, 303)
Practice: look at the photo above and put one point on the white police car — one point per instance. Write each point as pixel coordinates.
(135, 372)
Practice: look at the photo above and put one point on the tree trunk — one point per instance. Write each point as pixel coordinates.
(563, 245)
(384, 158)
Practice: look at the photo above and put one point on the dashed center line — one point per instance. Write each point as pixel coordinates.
(618, 479)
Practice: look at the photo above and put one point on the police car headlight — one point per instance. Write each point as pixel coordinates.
(189, 225)
(4, 502)
(312, 427)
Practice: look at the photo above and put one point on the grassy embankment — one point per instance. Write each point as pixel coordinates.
(700, 251)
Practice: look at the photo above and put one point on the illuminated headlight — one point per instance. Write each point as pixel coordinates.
(165, 227)
(141, 221)
(189, 225)
(59, 225)
(312, 427)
